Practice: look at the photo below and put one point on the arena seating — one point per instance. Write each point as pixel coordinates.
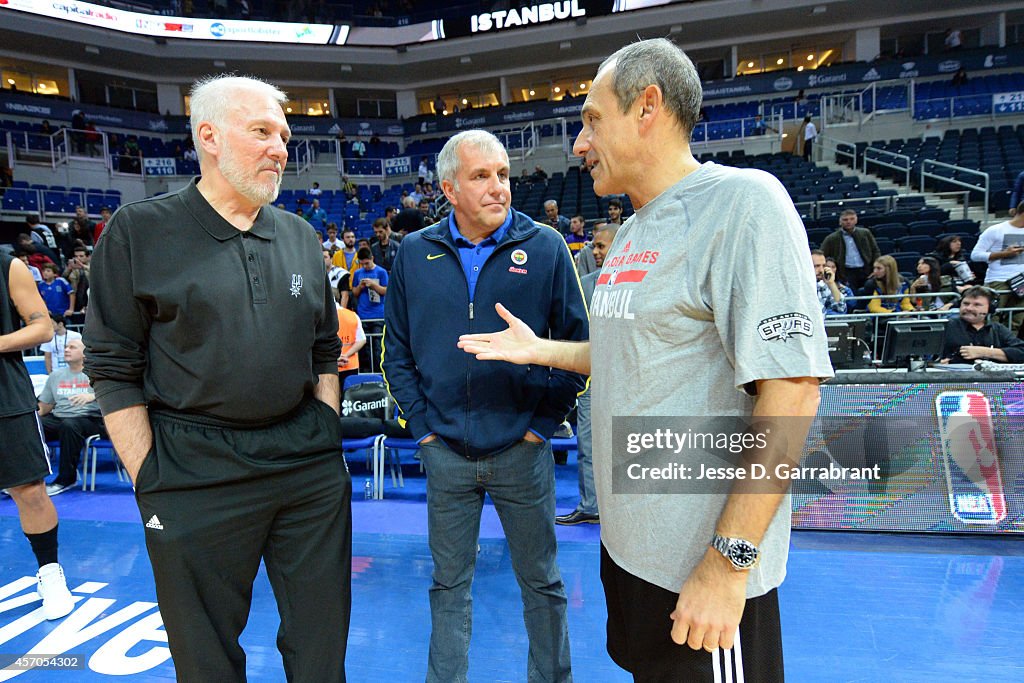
(57, 199)
(999, 152)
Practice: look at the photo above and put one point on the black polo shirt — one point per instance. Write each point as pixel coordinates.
(994, 335)
(189, 313)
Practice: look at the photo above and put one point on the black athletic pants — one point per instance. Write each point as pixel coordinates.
(71, 432)
(216, 500)
(640, 641)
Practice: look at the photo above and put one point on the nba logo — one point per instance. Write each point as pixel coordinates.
(970, 458)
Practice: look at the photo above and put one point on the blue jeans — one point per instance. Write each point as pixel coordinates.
(584, 460)
(521, 483)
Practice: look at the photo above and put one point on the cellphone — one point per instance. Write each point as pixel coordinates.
(970, 457)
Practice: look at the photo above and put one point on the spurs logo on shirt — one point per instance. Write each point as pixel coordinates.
(296, 287)
(611, 301)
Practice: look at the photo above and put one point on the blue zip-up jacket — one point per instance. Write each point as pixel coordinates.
(480, 408)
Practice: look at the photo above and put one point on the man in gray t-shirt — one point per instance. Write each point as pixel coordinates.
(69, 413)
(705, 307)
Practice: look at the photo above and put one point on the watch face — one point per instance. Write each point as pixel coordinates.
(743, 554)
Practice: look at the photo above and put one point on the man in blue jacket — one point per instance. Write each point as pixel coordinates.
(484, 427)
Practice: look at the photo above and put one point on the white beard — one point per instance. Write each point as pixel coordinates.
(246, 183)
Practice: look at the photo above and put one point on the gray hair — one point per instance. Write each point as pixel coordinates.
(210, 100)
(550, 202)
(448, 162)
(657, 62)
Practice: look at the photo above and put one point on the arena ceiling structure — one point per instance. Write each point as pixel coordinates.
(410, 58)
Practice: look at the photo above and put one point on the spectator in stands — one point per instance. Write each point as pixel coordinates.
(22, 256)
(428, 191)
(389, 214)
(930, 280)
(349, 189)
(353, 339)
(339, 278)
(1017, 195)
(358, 149)
(810, 134)
(92, 139)
(45, 128)
(1002, 247)
(385, 245)
(586, 511)
(615, 211)
(37, 255)
(315, 191)
(576, 238)
(525, 176)
(370, 287)
(952, 260)
(831, 299)
(77, 275)
(554, 219)
(853, 248)
(409, 219)
(539, 174)
(70, 414)
(100, 224)
(53, 350)
(346, 257)
(6, 175)
(959, 78)
(844, 288)
(439, 106)
(428, 217)
(41, 233)
(56, 291)
(190, 151)
(78, 132)
(973, 336)
(885, 281)
(417, 193)
(759, 127)
(423, 171)
(81, 231)
(332, 242)
(81, 214)
(131, 156)
(43, 237)
(317, 216)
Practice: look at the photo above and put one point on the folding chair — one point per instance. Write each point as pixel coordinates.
(372, 444)
(93, 445)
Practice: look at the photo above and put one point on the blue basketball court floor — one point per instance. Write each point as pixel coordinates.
(855, 606)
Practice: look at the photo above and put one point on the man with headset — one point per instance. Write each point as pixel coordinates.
(971, 337)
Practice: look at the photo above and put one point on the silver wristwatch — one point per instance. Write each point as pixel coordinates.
(740, 553)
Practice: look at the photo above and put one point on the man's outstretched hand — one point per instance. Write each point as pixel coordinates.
(517, 344)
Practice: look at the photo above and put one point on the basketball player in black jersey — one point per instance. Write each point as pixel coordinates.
(23, 459)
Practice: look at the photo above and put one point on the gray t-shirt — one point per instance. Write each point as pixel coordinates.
(61, 385)
(678, 329)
